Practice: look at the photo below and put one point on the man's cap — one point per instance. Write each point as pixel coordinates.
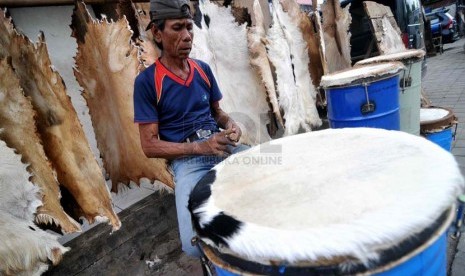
(168, 9)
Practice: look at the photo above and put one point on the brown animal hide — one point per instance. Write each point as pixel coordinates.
(309, 35)
(138, 16)
(126, 8)
(19, 132)
(62, 136)
(106, 66)
(316, 19)
(336, 22)
(256, 37)
(384, 27)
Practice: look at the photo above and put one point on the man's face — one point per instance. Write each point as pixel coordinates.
(176, 37)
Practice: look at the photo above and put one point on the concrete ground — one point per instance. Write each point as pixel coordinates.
(444, 85)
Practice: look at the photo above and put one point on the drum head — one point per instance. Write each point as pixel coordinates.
(360, 74)
(436, 118)
(337, 193)
(411, 54)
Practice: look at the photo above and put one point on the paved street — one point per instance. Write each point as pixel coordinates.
(444, 85)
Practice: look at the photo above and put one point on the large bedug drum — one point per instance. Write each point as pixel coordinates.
(437, 125)
(410, 86)
(337, 201)
(364, 96)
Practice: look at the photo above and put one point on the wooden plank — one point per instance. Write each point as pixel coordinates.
(384, 28)
(149, 235)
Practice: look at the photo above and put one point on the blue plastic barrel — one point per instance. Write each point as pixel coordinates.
(429, 262)
(365, 96)
(437, 124)
(442, 138)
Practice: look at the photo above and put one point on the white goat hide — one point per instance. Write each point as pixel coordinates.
(106, 66)
(336, 23)
(62, 135)
(24, 249)
(306, 26)
(288, 52)
(19, 132)
(244, 96)
(256, 36)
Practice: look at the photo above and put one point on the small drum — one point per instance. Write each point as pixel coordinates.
(410, 86)
(337, 201)
(436, 125)
(365, 96)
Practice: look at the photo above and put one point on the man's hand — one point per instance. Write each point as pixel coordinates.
(225, 122)
(236, 131)
(217, 144)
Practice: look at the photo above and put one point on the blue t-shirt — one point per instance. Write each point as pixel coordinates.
(180, 107)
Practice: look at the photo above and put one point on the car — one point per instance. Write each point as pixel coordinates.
(409, 18)
(449, 27)
(436, 27)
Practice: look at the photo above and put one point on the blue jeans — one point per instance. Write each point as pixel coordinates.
(187, 172)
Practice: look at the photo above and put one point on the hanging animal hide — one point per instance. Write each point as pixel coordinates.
(18, 196)
(62, 136)
(138, 16)
(316, 19)
(301, 19)
(336, 23)
(106, 66)
(19, 132)
(24, 248)
(256, 37)
(288, 52)
(385, 29)
(249, 6)
(223, 45)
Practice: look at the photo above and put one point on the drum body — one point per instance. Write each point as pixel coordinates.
(437, 125)
(428, 260)
(442, 138)
(365, 96)
(348, 106)
(410, 86)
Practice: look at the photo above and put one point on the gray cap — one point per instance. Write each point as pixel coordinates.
(169, 9)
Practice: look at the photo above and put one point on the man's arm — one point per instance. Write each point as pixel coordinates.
(225, 122)
(156, 148)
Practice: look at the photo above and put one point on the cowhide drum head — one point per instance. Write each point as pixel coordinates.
(337, 193)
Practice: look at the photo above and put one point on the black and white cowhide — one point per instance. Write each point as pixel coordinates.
(217, 226)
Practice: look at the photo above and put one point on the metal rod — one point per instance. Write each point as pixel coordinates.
(37, 3)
